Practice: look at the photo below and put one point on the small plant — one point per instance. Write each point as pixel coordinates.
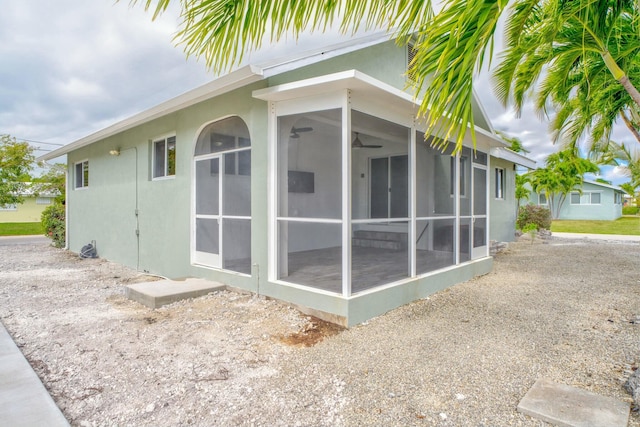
(53, 222)
(534, 214)
(531, 229)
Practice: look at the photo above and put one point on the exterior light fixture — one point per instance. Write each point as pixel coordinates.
(114, 152)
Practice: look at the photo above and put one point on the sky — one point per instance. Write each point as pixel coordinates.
(72, 67)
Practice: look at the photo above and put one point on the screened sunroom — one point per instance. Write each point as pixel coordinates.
(361, 200)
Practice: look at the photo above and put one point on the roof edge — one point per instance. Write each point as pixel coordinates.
(241, 77)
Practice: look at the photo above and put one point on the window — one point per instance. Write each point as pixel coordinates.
(542, 199)
(164, 157)
(9, 207)
(499, 183)
(618, 199)
(82, 174)
(463, 168)
(43, 200)
(586, 198)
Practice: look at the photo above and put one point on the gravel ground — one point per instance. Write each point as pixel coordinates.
(565, 310)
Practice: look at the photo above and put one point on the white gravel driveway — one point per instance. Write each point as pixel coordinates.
(567, 310)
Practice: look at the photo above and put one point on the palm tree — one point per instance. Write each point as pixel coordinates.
(563, 173)
(451, 45)
(571, 54)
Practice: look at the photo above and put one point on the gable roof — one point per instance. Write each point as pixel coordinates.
(601, 184)
(244, 76)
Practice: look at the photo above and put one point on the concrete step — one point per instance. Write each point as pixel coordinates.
(163, 292)
(392, 236)
(564, 405)
(23, 399)
(379, 244)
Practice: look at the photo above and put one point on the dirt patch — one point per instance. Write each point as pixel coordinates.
(314, 331)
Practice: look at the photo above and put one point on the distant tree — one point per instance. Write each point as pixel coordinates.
(514, 142)
(522, 192)
(603, 181)
(629, 188)
(52, 182)
(563, 173)
(16, 161)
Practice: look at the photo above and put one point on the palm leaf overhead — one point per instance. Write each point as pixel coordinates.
(590, 43)
(223, 31)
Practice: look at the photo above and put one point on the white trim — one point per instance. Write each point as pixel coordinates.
(583, 194)
(346, 193)
(511, 156)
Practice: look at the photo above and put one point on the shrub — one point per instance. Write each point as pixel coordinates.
(630, 210)
(53, 223)
(534, 214)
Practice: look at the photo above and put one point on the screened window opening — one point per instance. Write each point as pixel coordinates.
(82, 174)
(164, 157)
(223, 196)
(382, 242)
(309, 205)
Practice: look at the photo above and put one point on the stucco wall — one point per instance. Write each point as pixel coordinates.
(503, 211)
(28, 211)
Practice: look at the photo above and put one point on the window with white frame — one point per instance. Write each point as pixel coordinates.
(586, 198)
(82, 174)
(8, 207)
(618, 199)
(43, 200)
(499, 190)
(542, 199)
(164, 157)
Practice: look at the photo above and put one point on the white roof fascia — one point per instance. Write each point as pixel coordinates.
(602, 184)
(350, 79)
(226, 83)
(280, 66)
(511, 156)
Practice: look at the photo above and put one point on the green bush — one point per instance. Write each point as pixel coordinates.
(53, 224)
(630, 210)
(533, 214)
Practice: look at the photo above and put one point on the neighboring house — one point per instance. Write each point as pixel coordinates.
(29, 211)
(596, 201)
(308, 180)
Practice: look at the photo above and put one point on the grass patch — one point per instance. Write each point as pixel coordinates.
(625, 225)
(20, 228)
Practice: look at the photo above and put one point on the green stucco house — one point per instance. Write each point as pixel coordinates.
(594, 201)
(308, 180)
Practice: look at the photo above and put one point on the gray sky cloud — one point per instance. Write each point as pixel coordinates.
(71, 67)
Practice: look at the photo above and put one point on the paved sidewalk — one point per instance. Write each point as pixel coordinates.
(23, 240)
(609, 237)
(23, 399)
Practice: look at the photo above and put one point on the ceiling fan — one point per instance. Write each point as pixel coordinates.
(295, 132)
(358, 144)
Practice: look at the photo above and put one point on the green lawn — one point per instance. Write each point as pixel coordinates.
(20, 228)
(629, 225)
